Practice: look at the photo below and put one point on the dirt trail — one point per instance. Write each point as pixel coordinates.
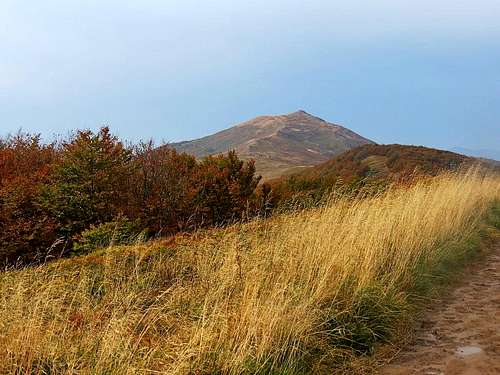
(462, 335)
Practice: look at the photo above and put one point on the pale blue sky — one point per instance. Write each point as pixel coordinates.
(417, 72)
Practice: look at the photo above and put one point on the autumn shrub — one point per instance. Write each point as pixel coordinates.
(175, 192)
(88, 184)
(26, 231)
(162, 188)
(226, 187)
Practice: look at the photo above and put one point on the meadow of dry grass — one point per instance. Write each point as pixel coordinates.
(299, 293)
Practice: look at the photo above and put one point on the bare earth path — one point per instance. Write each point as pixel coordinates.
(462, 336)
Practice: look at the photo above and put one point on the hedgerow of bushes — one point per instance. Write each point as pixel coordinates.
(75, 195)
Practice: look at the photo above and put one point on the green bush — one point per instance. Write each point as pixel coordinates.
(121, 231)
(370, 319)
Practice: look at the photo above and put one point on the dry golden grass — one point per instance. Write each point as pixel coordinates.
(299, 293)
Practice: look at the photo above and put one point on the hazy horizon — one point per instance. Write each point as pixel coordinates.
(424, 74)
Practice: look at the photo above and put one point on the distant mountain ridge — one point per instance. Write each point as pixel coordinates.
(279, 144)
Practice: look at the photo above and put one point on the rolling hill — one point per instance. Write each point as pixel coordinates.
(390, 162)
(279, 144)
(372, 164)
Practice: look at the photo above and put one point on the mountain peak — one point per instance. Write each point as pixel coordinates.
(279, 143)
(305, 116)
(300, 112)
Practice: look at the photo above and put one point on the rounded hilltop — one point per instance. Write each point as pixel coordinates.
(279, 143)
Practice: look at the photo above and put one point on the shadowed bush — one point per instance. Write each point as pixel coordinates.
(121, 231)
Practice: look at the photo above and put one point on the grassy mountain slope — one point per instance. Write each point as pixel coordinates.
(369, 167)
(297, 294)
(389, 161)
(376, 164)
(278, 143)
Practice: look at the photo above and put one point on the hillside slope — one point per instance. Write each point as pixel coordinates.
(279, 143)
(295, 294)
(389, 162)
(370, 165)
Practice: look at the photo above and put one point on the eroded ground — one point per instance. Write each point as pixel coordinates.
(462, 336)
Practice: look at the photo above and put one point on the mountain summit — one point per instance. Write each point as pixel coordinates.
(279, 144)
